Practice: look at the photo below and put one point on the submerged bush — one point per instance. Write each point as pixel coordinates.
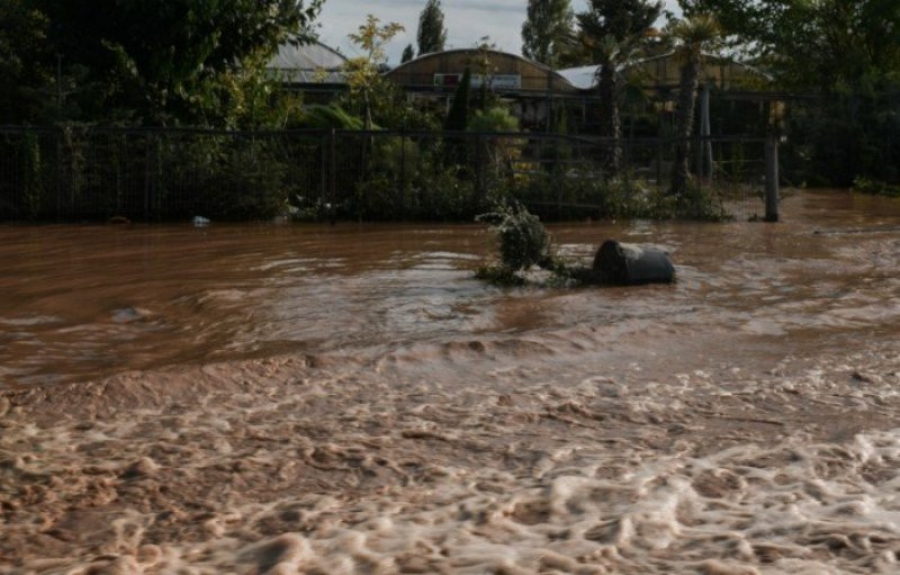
(876, 188)
(524, 243)
(522, 239)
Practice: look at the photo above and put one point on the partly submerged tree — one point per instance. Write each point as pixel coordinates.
(548, 30)
(611, 31)
(692, 37)
(522, 240)
(432, 35)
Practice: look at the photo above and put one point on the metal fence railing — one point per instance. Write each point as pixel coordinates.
(66, 174)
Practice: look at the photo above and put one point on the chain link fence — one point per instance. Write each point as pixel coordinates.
(75, 174)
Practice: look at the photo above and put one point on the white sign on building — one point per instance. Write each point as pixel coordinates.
(495, 82)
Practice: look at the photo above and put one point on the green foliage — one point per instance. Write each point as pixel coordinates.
(522, 240)
(548, 30)
(423, 192)
(611, 32)
(851, 134)
(876, 188)
(574, 195)
(692, 37)
(611, 29)
(170, 63)
(524, 243)
(432, 35)
(399, 113)
(496, 154)
(811, 45)
(699, 204)
(494, 119)
(620, 19)
(26, 65)
(458, 116)
(408, 54)
(846, 51)
(369, 91)
(446, 196)
(457, 120)
(555, 154)
(397, 156)
(322, 117)
(224, 178)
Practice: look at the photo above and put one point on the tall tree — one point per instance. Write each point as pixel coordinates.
(848, 51)
(548, 30)
(692, 36)
(26, 65)
(457, 120)
(812, 44)
(432, 36)
(611, 31)
(408, 54)
(364, 72)
(162, 63)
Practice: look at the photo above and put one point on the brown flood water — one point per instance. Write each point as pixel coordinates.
(348, 399)
(82, 303)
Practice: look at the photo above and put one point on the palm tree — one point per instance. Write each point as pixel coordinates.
(611, 31)
(693, 36)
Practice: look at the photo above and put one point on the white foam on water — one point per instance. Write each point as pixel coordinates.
(534, 470)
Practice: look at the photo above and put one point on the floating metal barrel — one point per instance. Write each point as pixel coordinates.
(632, 264)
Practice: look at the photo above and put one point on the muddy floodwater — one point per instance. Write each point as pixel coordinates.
(348, 399)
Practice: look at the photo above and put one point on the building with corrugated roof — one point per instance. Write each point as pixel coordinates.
(529, 87)
(308, 65)
(662, 73)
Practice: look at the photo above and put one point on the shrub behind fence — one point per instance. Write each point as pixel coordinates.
(71, 174)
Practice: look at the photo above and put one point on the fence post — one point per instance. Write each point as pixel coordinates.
(59, 173)
(480, 176)
(771, 180)
(332, 171)
(659, 166)
(147, 172)
(402, 192)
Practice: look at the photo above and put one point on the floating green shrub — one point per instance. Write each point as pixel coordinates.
(523, 240)
(877, 188)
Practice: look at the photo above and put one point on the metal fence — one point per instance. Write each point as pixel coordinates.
(72, 174)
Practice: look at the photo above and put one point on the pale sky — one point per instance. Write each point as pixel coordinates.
(467, 21)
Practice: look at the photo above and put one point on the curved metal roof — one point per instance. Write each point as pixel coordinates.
(308, 63)
(721, 69)
(532, 75)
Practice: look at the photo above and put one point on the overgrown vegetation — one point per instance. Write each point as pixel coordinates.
(866, 186)
(133, 63)
(235, 146)
(523, 241)
(844, 58)
(523, 244)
